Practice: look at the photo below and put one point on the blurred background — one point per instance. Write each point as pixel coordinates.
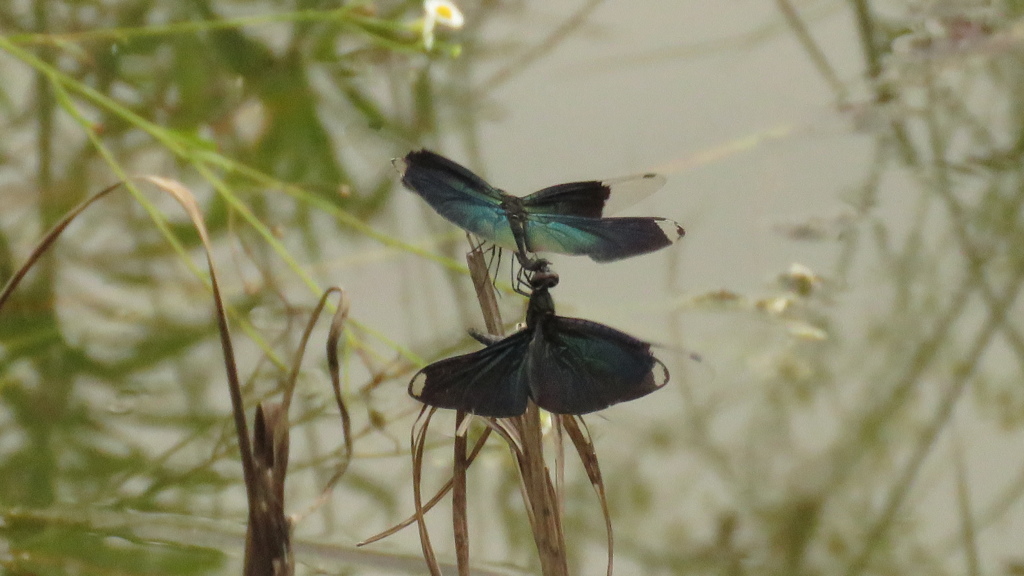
(848, 173)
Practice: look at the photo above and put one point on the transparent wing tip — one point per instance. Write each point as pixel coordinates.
(419, 382)
(672, 230)
(628, 190)
(400, 165)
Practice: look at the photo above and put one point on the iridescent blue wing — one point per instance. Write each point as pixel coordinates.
(576, 366)
(594, 198)
(489, 382)
(461, 197)
(602, 239)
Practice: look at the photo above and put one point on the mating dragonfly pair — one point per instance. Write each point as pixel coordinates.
(565, 365)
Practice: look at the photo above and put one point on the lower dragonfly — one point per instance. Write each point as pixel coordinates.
(565, 365)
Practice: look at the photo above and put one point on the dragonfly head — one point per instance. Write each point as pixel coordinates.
(543, 278)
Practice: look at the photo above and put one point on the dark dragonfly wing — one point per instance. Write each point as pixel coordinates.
(576, 366)
(574, 198)
(594, 198)
(457, 194)
(602, 239)
(489, 382)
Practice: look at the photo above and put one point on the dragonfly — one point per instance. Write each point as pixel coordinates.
(565, 365)
(565, 218)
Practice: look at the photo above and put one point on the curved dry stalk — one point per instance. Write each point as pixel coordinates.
(434, 500)
(268, 548)
(418, 441)
(333, 338)
(187, 201)
(581, 439)
(504, 428)
(334, 367)
(268, 545)
(48, 239)
(300, 351)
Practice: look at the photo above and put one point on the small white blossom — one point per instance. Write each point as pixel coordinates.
(443, 12)
(800, 279)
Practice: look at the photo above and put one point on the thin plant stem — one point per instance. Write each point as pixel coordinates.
(546, 45)
(868, 43)
(814, 52)
(897, 496)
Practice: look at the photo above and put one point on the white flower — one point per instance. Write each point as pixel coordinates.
(443, 12)
(800, 279)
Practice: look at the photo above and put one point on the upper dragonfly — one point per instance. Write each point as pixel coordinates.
(565, 218)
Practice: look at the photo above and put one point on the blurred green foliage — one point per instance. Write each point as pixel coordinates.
(114, 439)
